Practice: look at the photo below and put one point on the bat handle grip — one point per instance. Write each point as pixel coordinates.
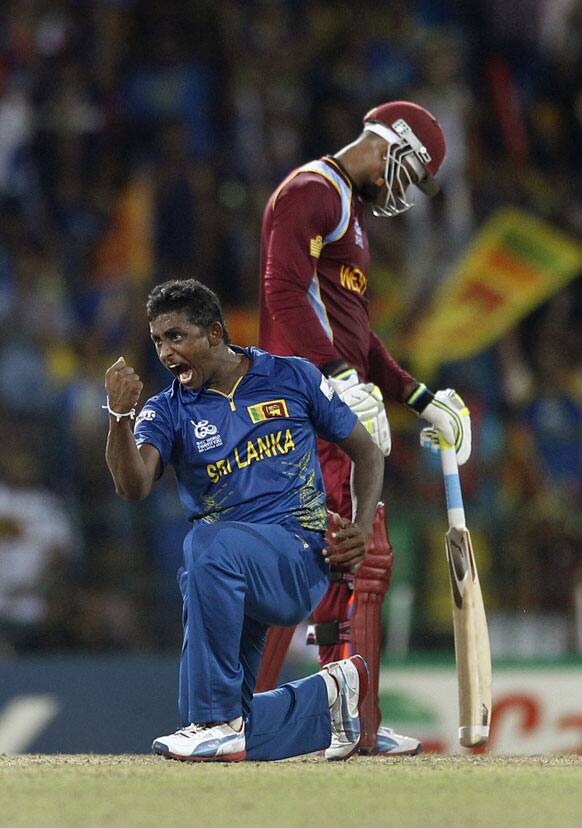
(453, 493)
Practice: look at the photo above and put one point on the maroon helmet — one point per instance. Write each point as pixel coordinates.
(414, 136)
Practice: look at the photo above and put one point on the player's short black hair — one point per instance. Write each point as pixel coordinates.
(188, 296)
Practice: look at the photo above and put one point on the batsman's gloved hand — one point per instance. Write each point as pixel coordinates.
(448, 416)
(365, 400)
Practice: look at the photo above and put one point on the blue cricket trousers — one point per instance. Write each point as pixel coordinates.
(238, 579)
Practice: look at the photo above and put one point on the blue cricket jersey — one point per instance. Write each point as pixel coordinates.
(250, 455)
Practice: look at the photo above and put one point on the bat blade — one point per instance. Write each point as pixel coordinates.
(472, 652)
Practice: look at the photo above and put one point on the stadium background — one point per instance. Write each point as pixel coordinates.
(139, 140)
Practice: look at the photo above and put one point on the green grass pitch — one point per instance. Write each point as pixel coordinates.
(429, 791)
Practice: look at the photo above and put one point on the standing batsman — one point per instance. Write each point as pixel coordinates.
(314, 304)
(240, 428)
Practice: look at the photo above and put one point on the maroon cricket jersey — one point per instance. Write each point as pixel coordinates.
(314, 263)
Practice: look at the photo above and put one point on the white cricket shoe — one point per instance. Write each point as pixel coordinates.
(214, 742)
(390, 743)
(351, 676)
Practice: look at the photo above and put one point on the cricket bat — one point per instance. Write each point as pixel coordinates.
(472, 652)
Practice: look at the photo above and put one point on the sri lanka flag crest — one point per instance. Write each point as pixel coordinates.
(269, 410)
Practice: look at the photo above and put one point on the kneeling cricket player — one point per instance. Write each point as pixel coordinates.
(240, 427)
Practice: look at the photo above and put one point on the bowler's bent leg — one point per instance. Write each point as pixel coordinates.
(233, 572)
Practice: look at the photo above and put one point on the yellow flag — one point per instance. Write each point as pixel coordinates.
(515, 263)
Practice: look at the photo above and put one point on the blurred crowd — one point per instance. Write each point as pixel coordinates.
(139, 141)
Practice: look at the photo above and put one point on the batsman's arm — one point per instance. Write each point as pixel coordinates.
(349, 548)
(393, 381)
(133, 470)
(305, 208)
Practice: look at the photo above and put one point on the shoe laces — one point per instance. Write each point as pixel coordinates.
(192, 729)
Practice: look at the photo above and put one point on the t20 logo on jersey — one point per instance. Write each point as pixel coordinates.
(203, 429)
(267, 410)
(207, 435)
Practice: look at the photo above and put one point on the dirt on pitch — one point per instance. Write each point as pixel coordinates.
(46, 791)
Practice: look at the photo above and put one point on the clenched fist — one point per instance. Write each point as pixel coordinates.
(123, 387)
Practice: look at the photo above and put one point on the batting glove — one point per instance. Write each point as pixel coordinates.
(365, 400)
(448, 415)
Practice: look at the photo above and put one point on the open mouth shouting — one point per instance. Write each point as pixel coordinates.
(182, 371)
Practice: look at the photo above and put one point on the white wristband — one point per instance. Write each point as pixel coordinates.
(119, 417)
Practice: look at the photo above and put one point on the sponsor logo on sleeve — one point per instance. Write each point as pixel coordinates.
(207, 436)
(147, 414)
(269, 410)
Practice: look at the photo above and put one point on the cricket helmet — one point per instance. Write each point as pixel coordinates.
(414, 136)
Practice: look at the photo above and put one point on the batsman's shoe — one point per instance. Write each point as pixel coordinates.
(351, 676)
(214, 742)
(390, 743)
